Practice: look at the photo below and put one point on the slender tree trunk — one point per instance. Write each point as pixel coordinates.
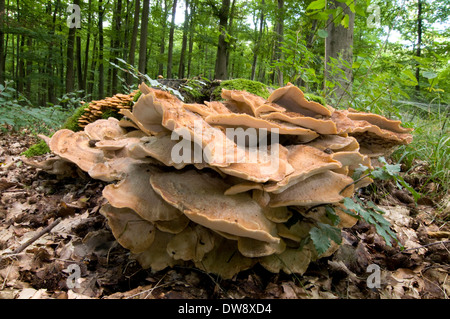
(171, 34)
(419, 40)
(229, 30)
(29, 68)
(191, 38)
(162, 45)
(79, 64)
(91, 78)
(116, 46)
(339, 44)
(101, 84)
(70, 73)
(134, 35)
(258, 41)
(88, 40)
(182, 66)
(51, 97)
(143, 37)
(2, 41)
(279, 31)
(220, 71)
(20, 64)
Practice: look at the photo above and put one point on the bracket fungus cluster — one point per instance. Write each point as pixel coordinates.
(96, 109)
(226, 185)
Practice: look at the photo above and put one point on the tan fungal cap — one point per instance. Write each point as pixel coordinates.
(200, 196)
(293, 99)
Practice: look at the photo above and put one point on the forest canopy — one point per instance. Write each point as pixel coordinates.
(396, 50)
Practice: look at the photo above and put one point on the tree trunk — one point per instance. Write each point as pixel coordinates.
(171, 33)
(70, 74)
(229, 30)
(134, 35)
(88, 40)
(101, 87)
(182, 66)
(29, 68)
(91, 79)
(258, 41)
(79, 64)
(220, 71)
(338, 45)
(2, 41)
(419, 40)
(20, 64)
(162, 44)
(115, 46)
(277, 75)
(191, 39)
(143, 37)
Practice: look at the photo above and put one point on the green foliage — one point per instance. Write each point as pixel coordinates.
(195, 88)
(321, 236)
(37, 149)
(253, 87)
(386, 172)
(373, 215)
(19, 113)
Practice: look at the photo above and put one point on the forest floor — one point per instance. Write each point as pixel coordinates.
(31, 199)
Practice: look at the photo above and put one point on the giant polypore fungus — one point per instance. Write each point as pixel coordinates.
(226, 185)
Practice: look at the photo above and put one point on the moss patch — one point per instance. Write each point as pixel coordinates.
(137, 95)
(72, 122)
(315, 98)
(111, 113)
(250, 86)
(37, 149)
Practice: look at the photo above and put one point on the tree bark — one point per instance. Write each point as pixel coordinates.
(2, 41)
(419, 40)
(70, 72)
(338, 45)
(220, 71)
(162, 44)
(115, 46)
(171, 34)
(191, 38)
(182, 66)
(277, 76)
(101, 87)
(134, 35)
(258, 40)
(143, 37)
(88, 40)
(29, 68)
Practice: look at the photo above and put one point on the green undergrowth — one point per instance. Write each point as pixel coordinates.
(195, 89)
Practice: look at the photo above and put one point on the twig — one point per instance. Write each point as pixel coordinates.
(34, 238)
(354, 182)
(427, 245)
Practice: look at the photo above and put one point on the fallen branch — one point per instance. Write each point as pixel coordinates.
(427, 245)
(34, 238)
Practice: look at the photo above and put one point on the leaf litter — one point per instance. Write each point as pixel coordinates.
(31, 199)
